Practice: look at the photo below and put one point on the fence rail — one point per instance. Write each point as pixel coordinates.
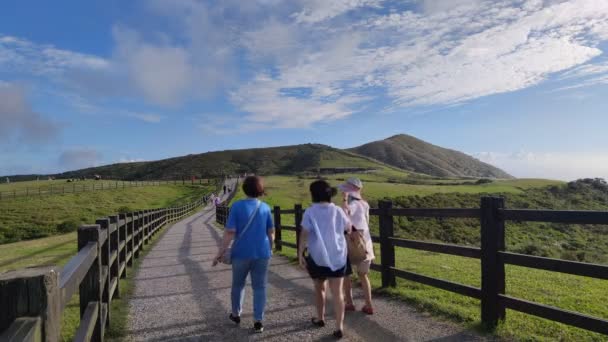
(78, 187)
(492, 215)
(33, 300)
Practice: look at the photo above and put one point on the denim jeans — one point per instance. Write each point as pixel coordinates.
(259, 277)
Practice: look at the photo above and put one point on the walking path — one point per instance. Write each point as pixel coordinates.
(179, 296)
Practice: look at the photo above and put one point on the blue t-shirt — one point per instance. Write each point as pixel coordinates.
(254, 244)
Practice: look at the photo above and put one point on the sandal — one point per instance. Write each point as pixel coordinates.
(338, 334)
(350, 307)
(368, 310)
(317, 322)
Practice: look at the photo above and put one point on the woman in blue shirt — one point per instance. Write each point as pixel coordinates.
(250, 220)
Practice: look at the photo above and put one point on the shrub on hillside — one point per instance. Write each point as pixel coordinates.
(67, 226)
(125, 210)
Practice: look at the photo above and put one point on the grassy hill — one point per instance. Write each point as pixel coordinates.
(412, 154)
(403, 155)
(265, 161)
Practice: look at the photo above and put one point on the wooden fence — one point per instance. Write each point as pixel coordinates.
(492, 215)
(78, 187)
(32, 300)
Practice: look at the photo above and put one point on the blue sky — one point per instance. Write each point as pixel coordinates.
(521, 84)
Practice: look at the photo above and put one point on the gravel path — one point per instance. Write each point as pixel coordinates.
(179, 296)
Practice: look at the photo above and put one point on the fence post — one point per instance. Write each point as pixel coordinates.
(136, 227)
(90, 287)
(492, 267)
(387, 250)
(27, 293)
(277, 229)
(104, 224)
(131, 241)
(122, 238)
(115, 266)
(298, 217)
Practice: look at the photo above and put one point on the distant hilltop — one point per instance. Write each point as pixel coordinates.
(412, 154)
(400, 152)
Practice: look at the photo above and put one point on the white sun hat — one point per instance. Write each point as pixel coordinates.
(351, 185)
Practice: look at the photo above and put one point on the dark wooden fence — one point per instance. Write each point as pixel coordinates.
(77, 187)
(32, 300)
(492, 215)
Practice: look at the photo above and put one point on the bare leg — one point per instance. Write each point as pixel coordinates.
(367, 288)
(335, 284)
(320, 298)
(348, 291)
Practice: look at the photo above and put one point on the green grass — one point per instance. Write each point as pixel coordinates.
(575, 293)
(34, 217)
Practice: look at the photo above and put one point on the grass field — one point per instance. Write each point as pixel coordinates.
(581, 294)
(34, 217)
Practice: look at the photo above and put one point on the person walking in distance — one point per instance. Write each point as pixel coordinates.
(325, 257)
(250, 225)
(224, 189)
(357, 210)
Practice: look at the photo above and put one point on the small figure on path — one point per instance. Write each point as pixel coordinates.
(224, 189)
(250, 225)
(358, 211)
(325, 257)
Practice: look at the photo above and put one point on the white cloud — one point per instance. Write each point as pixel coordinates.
(19, 122)
(451, 52)
(557, 165)
(296, 63)
(18, 54)
(319, 10)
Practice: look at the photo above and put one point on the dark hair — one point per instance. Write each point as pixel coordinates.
(253, 186)
(321, 191)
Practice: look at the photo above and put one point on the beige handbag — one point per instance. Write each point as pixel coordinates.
(357, 251)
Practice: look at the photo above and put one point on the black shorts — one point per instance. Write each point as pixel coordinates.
(321, 272)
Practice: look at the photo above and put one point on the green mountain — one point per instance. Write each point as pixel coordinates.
(398, 154)
(264, 161)
(412, 154)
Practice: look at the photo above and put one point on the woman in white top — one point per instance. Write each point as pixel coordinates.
(323, 227)
(358, 211)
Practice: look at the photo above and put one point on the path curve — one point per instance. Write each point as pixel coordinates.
(179, 296)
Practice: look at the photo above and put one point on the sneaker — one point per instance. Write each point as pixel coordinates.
(258, 327)
(350, 307)
(368, 310)
(235, 319)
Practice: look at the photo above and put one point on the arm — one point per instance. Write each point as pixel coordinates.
(228, 236)
(270, 233)
(303, 240)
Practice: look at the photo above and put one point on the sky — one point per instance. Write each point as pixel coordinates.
(520, 84)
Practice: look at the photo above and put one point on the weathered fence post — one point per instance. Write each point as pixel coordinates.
(387, 250)
(277, 229)
(104, 224)
(114, 245)
(492, 267)
(90, 287)
(298, 213)
(131, 238)
(136, 227)
(30, 305)
(122, 254)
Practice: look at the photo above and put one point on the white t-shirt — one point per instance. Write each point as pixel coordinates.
(358, 211)
(326, 224)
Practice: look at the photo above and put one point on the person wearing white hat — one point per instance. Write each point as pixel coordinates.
(358, 211)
